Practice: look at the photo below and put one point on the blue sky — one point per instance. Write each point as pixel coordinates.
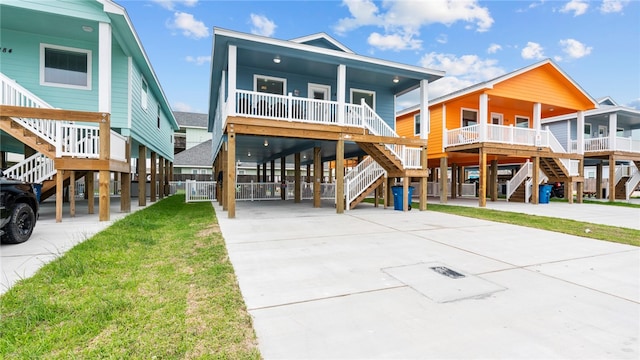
(597, 43)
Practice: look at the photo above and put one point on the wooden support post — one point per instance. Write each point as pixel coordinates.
(161, 177)
(482, 192)
(125, 193)
(308, 173)
(535, 190)
(406, 200)
(297, 191)
(454, 181)
(154, 178)
(388, 192)
(461, 179)
(376, 195)
(443, 180)
(273, 171)
(568, 186)
(317, 176)
(59, 194)
(225, 165)
(104, 200)
(231, 176)
(599, 180)
(612, 178)
(424, 165)
(72, 193)
(340, 198)
(580, 189)
(142, 175)
(167, 167)
(283, 178)
(89, 189)
(257, 172)
(494, 180)
(264, 172)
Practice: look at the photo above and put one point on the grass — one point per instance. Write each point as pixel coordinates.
(600, 202)
(572, 227)
(157, 284)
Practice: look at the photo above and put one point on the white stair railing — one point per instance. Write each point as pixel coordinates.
(361, 180)
(528, 189)
(34, 169)
(556, 147)
(633, 181)
(523, 174)
(374, 123)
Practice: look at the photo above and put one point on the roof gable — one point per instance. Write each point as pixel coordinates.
(322, 40)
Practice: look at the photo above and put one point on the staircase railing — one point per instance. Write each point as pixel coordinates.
(633, 181)
(528, 188)
(361, 180)
(34, 169)
(374, 123)
(556, 147)
(523, 174)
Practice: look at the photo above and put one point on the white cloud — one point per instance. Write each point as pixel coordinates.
(532, 51)
(442, 38)
(171, 4)
(578, 7)
(180, 106)
(635, 104)
(493, 48)
(461, 71)
(395, 42)
(574, 48)
(613, 6)
(198, 60)
(189, 26)
(403, 19)
(261, 25)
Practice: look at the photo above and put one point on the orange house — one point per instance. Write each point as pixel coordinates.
(498, 123)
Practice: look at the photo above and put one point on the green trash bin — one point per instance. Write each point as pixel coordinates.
(397, 197)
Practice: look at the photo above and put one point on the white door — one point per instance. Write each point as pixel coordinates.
(602, 131)
(496, 119)
(319, 110)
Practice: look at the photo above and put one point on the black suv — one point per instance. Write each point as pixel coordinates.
(18, 210)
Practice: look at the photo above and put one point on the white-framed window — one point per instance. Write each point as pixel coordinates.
(416, 124)
(144, 94)
(522, 122)
(619, 132)
(269, 84)
(369, 97)
(64, 66)
(587, 130)
(603, 131)
(469, 117)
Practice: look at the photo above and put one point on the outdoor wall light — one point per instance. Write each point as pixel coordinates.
(276, 59)
(396, 80)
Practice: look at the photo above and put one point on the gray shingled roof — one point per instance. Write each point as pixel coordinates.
(189, 119)
(199, 155)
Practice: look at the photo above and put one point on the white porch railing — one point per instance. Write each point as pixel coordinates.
(34, 169)
(498, 134)
(362, 179)
(602, 144)
(633, 181)
(412, 158)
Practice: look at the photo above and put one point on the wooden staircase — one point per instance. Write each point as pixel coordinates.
(366, 193)
(519, 194)
(382, 156)
(554, 169)
(49, 186)
(26, 136)
(620, 190)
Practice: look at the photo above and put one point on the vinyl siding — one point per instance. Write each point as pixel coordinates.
(23, 65)
(119, 87)
(559, 130)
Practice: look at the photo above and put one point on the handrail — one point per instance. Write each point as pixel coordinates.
(374, 123)
(523, 173)
(34, 169)
(361, 181)
(633, 181)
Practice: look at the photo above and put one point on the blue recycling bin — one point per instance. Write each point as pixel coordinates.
(397, 197)
(545, 193)
(37, 189)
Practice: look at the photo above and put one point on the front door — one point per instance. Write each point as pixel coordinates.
(602, 131)
(319, 110)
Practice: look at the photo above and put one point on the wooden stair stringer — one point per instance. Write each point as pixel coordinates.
(26, 136)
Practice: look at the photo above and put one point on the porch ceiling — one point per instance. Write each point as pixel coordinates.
(55, 25)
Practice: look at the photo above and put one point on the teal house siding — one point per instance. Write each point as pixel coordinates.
(119, 88)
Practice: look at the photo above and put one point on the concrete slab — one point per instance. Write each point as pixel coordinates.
(324, 289)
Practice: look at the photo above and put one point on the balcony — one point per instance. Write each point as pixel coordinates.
(501, 134)
(602, 144)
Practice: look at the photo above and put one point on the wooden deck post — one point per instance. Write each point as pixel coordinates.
(599, 180)
(225, 161)
(340, 199)
(104, 200)
(154, 178)
(89, 189)
(493, 190)
(167, 170)
(161, 178)
(257, 172)
(443, 180)
(231, 176)
(454, 181)
(283, 178)
(59, 194)
(406, 200)
(462, 179)
(423, 179)
(297, 195)
(580, 189)
(388, 192)
(142, 175)
(535, 190)
(264, 172)
(569, 190)
(273, 171)
(317, 176)
(72, 193)
(612, 178)
(482, 192)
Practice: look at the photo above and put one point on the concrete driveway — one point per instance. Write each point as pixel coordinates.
(377, 283)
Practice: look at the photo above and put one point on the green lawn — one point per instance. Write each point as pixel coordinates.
(157, 284)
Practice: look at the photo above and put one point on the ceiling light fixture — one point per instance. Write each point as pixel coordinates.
(276, 59)
(249, 153)
(87, 28)
(266, 142)
(396, 80)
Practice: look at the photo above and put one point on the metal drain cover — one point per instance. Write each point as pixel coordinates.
(441, 283)
(443, 270)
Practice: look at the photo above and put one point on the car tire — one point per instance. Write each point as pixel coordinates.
(20, 226)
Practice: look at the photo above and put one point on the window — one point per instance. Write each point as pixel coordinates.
(144, 94)
(469, 117)
(269, 85)
(65, 67)
(522, 122)
(368, 96)
(416, 124)
(496, 119)
(587, 130)
(603, 131)
(619, 132)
